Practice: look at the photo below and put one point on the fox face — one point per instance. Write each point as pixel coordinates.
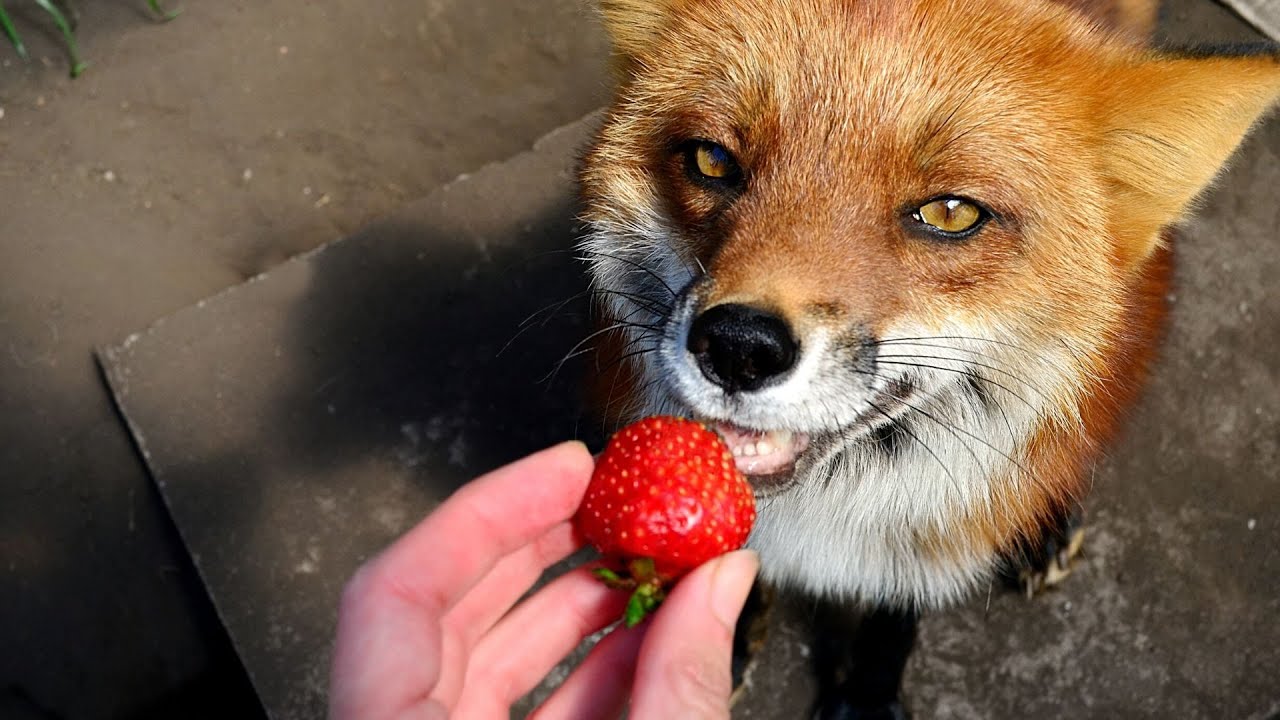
(906, 256)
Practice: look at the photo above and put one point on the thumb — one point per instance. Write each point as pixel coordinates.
(684, 665)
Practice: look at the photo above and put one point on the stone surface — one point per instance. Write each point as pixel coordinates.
(191, 156)
(1263, 14)
(297, 424)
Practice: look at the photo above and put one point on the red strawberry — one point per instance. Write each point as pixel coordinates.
(666, 497)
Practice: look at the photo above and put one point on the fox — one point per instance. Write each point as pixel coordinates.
(910, 258)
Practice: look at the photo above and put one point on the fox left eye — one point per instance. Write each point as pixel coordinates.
(951, 216)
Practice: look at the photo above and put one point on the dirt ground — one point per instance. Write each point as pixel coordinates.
(190, 156)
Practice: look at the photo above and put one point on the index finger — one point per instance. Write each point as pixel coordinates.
(444, 556)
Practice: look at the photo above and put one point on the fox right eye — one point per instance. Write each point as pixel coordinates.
(949, 217)
(711, 162)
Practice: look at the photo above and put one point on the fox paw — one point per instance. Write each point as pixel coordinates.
(1057, 563)
(1043, 564)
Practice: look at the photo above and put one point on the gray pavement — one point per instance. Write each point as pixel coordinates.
(190, 157)
(299, 423)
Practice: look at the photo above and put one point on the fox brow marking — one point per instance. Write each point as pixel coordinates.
(973, 88)
(946, 122)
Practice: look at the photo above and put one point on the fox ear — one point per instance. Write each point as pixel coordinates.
(633, 25)
(1171, 124)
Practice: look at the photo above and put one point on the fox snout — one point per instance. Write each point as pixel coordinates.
(742, 348)
(764, 362)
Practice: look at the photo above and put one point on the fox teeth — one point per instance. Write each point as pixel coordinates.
(764, 446)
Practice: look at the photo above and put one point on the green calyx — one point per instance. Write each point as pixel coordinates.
(646, 588)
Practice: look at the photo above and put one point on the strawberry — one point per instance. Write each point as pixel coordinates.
(665, 497)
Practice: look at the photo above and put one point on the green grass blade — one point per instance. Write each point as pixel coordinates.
(12, 33)
(68, 36)
(164, 14)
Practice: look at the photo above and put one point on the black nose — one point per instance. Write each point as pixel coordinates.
(741, 348)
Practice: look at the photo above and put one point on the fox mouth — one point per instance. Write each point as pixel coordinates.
(767, 457)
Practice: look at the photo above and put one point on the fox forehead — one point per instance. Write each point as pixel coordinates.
(924, 97)
(862, 62)
(843, 113)
(846, 114)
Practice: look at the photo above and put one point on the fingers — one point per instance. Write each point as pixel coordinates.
(390, 639)
(491, 598)
(509, 579)
(684, 665)
(484, 521)
(386, 653)
(541, 631)
(597, 688)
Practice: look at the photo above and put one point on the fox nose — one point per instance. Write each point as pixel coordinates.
(741, 348)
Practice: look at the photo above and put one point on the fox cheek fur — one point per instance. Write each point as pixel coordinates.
(758, 203)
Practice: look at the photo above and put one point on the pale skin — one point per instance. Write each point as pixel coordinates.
(433, 628)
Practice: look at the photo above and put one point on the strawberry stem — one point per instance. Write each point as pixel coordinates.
(649, 593)
(640, 577)
(647, 597)
(613, 579)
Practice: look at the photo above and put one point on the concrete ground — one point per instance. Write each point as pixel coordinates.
(191, 156)
(199, 153)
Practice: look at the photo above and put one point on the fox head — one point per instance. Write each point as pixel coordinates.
(892, 249)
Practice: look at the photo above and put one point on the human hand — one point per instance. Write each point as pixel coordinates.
(430, 628)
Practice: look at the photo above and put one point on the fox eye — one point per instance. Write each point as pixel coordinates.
(712, 161)
(951, 216)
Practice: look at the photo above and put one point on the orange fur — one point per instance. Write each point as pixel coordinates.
(846, 113)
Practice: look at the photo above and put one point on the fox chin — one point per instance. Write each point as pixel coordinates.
(908, 257)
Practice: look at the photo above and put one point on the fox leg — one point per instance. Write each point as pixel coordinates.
(1046, 560)
(858, 660)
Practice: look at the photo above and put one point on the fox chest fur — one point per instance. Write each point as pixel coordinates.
(907, 256)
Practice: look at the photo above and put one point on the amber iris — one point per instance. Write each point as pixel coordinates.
(713, 161)
(950, 215)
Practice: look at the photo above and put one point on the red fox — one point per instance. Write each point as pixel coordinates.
(909, 257)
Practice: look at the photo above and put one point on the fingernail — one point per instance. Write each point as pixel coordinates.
(731, 583)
